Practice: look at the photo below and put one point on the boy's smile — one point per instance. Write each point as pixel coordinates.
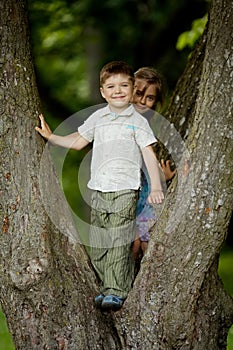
(117, 91)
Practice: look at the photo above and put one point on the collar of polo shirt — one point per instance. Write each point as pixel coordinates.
(126, 113)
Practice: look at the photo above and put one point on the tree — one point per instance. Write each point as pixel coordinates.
(47, 283)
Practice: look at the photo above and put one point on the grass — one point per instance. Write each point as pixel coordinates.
(225, 273)
(230, 339)
(6, 342)
(225, 269)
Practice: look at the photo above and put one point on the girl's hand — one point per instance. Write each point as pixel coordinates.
(166, 167)
(44, 130)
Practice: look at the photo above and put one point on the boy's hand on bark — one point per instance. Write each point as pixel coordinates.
(44, 130)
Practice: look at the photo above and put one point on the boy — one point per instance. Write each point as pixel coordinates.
(120, 136)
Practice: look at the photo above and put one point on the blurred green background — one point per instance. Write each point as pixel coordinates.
(71, 40)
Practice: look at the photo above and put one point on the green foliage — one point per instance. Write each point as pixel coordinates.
(58, 51)
(189, 38)
(69, 38)
(225, 269)
(225, 273)
(5, 337)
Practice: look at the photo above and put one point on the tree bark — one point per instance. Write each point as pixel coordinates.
(178, 301)
(47, 283)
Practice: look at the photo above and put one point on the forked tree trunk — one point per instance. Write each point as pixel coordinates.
(178, 301)
(47, 283)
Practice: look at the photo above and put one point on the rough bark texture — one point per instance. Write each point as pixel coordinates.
(178, 301)
(47, 284)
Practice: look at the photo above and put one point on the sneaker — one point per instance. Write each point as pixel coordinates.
(112, 302)
(98, 300)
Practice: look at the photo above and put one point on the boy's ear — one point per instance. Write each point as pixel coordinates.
(102, 92)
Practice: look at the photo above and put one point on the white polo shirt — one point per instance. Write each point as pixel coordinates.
(118, 141)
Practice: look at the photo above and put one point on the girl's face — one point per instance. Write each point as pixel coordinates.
(117, 91)
(144, 95)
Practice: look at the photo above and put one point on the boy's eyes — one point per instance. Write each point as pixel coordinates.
(112, 86)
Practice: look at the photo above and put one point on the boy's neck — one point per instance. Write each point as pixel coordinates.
(116, 110)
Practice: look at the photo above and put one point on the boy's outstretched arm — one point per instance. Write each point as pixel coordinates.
(73, 141)
(156, 195)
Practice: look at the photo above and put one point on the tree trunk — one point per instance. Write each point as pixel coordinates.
(47, 283)
(178, 301)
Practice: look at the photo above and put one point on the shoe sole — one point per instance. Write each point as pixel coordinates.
(111, 306)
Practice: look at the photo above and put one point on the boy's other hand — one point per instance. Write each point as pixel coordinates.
(44, 130)
(156, 197)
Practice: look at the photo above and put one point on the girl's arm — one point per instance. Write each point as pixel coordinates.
(156, 193)
(73, 141)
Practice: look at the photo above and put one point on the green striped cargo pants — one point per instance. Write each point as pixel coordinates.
(111, 235)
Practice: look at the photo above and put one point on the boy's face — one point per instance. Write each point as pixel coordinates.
(144, 95)
(117, 90)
